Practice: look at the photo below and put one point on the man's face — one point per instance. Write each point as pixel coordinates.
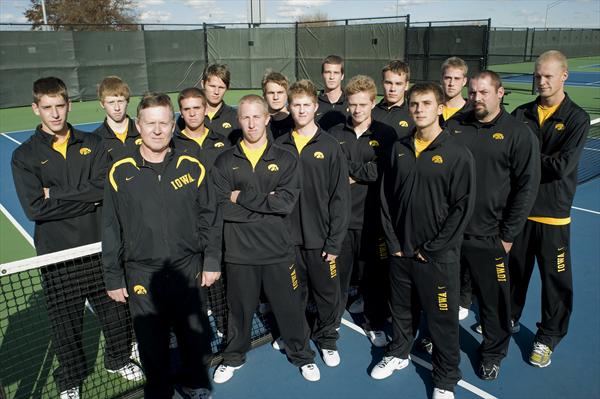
(484, 96)
(253, 118)
(115, 107)
(360, 106)
(550, 78)
(332, 76)
(424, 109)
(215, 89)
(394, 86)
(53, 111)
(192, 111)
(276, 96)
(453, 80)
(303, 109)
(156, 125)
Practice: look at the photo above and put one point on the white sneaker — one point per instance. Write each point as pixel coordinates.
(331, 357)
(479, 329)
(71, 393)
(278, 344)
(131, 372)
(310, 372)
(135, 353)
(198, 393)
(387, 366)
(172, 341)
(463, 313)
(358, 306)
(224, 373)
(439, 393)
(377, 338)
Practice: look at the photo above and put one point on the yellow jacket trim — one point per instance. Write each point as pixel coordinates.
(194, 160)
(111, 177)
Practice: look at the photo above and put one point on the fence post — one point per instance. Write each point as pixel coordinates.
(205, 32)
(486, 46)
(296, 50)
(406, 30)
(426, 40)
(525, 46)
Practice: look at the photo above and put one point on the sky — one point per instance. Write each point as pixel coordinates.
(504, 13)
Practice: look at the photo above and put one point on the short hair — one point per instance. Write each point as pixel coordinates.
(398, 67)
(553, 55)
(303, 87)
(360, 83)
(275, 77)
(253, 99)
(49, 86)
(221, 71)
(427, 87)
(113, 86)
(191, 92)
(154, 99)
(457, 63)
(332, 60)
(494, 78)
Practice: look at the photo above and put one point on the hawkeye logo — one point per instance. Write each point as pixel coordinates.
(442, 299)
(437, 159)
(559, 127)
(219, 144)
(403, 123)
(182, 181)
(85, 151)
(319, 155)
(501, 272)
(498, 136)
(273, 167)
(226, 125)
(138, 141)
(374, 143)
(140, 290)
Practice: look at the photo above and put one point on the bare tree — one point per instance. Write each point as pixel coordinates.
(83, 14)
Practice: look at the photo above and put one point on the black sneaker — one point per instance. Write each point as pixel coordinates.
(489, 370)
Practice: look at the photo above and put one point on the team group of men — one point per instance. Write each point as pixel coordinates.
(423, 200)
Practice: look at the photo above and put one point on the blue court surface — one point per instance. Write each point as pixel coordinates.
(581, 79)
(573, 373)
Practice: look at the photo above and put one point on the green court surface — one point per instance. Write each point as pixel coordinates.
(13, 246)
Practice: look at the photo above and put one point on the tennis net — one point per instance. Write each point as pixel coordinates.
(47, 298)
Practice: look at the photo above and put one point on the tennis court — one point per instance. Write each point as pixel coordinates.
(267, 374)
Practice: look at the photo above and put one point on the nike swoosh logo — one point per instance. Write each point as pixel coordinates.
(44, 162)
(235, 168)
(291, 267)
(342, 142)
(458, 131)
(401, 155)
(499, 258)
(442, 287)
(561, 249)
(109, 150)
(129, 178)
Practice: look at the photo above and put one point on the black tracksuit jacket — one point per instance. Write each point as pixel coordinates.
(224, 122)
(363, 155)
(396, 117)
(116, 148)
(72, 215)
(212, 146)
(321, 217)
(257, 229)
(426, 202)
(458, 115)
(507, 160)
(282, 126)
(331, 114)
(154, 221)
(561, 139)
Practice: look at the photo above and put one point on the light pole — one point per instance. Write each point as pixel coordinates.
(548, 7)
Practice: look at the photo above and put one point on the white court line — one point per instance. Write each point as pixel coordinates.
(462, 383)
(20, 228)
(586, 210)
(597, 120)
(591, 149)
(592, 83)
(10, 138)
